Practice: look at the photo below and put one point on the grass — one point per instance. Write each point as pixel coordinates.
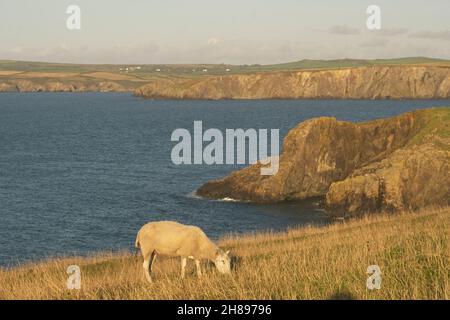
(348, 63)
(436, 128)
(412, 250)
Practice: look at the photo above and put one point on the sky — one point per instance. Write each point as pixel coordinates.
(225, 31)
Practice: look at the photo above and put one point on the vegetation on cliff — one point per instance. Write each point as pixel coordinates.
(389, 164)
(412, 251)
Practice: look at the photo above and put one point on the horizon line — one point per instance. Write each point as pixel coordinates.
(224, 63)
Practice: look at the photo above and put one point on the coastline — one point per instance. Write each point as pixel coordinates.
(374, 82)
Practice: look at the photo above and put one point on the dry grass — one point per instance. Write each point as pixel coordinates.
(55, 75)
(9, 73)
(412, 250)
(110, 76)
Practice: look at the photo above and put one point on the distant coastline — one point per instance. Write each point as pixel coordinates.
(405, 78)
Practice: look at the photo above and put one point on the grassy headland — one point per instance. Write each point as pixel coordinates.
(411, 249)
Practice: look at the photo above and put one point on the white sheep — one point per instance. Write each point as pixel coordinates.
(177, 240)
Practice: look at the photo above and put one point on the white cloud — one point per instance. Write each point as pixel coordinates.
(434, 35)
(374, 42)
(389, 32)
(235, 51)
(213, 41)
(343, 30)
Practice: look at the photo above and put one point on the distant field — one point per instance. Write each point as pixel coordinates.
(349, 63)
(411, 250)
(199, 69)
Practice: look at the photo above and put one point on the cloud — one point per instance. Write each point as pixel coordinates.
(433, 35)
(16, 50)
(375, 42)
(389, 32)
(343, 30)
(124, 53)
(240, 50)
(213, 41)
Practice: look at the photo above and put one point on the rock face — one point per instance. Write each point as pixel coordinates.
(378, 82)
(375, 82)
(408, 179)
(60, 86)
(390, 164)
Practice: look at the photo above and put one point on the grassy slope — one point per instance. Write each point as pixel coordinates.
(437, 129)
(348, 63)
(412, 250)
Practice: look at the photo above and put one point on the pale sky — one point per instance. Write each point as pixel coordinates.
(225, 31)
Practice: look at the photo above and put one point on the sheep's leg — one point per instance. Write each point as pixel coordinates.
(199, 269)
(152, 261)
(183, 267)
(146, 266)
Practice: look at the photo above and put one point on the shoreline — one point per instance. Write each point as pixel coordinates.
(130, 93)
(373, 82)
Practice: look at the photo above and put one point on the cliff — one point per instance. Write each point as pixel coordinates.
(370, 82)
(60, 86)
(64, 81)
(389, 164)
(376, 82)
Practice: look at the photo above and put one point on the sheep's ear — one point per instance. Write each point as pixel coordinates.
(227, 252)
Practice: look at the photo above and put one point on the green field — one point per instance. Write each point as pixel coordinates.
(146, 70)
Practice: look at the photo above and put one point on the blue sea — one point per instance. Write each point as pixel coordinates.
(82, 172)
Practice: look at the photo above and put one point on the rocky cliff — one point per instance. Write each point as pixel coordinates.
(389, 164)
(377, 82)
(373, 82)
(59, 86)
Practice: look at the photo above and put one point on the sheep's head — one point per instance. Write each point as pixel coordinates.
(222, 261)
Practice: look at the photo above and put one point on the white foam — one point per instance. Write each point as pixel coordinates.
(229, 199)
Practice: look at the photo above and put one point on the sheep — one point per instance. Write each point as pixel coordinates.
(177, 240)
